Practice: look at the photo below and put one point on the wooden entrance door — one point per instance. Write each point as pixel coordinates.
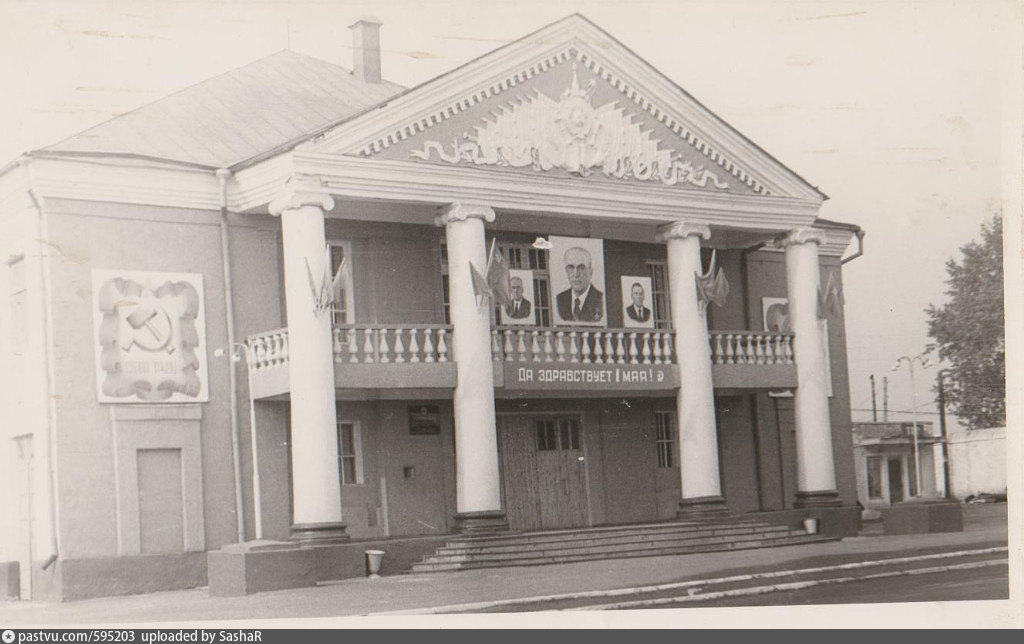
(895, 480)
(543, 472)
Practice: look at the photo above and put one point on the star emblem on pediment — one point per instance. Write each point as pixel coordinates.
(573, 135)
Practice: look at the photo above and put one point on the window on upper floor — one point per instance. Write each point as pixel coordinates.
(659, 295)
(526, 257)
(344, 306)
(18, 296)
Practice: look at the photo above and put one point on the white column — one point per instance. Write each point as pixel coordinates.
(477, 482)
(316, 488)
(695, 401)
(816, 476)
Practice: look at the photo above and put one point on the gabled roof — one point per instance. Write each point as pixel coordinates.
(237, 115)
(447, 96)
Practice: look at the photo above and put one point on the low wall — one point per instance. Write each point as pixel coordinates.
(977, 462)
(76, 579)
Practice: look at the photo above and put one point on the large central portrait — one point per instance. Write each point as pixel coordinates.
(577, 280)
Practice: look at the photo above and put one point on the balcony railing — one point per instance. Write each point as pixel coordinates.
(380, 356)
(376, 343)
(363, 343)
(751, 347)
(582, 345)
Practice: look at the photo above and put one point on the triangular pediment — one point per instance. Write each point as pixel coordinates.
(566, 101)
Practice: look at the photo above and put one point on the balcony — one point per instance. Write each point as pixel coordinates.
(366, 356)
(752, 360)
(530, 359)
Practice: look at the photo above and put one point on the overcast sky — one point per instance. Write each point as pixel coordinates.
(893, 109)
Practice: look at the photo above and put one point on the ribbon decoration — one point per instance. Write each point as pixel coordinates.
(711, 286)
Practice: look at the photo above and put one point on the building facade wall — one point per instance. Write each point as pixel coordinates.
(407, 482)
(94, 235)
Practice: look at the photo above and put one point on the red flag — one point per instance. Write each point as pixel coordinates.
(498, 277)
(830, 299)
(480, 287)
(712, 286)
(719, 289)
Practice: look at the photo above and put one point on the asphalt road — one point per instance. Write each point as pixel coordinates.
(991, 582)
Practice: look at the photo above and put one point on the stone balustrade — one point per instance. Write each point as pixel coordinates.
(582, 345)
(751, 347)
(362, 343)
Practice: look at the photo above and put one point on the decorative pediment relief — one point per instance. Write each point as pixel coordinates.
(573, 135)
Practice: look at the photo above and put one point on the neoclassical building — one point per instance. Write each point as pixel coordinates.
(248, 311)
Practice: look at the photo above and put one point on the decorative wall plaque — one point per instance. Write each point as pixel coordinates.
(150, 337)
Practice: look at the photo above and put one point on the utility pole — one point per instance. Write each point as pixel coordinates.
(874, 404)
(885, 398)
(942, 428)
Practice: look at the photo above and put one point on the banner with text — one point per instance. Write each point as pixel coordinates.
(582, 377)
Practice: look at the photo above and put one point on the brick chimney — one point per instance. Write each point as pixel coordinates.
(366, 49)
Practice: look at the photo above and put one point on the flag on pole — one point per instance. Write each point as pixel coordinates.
(830, 299)
(481, 289)
(712, 286)
(498, 277)
(341, 279)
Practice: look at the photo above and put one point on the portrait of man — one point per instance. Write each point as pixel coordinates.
(776, 314)
(636, 302)
(777, 320)
(520, 309)
(579, 283)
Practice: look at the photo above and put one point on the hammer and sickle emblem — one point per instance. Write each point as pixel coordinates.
(151, 328)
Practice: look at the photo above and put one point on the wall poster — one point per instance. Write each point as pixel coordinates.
(637, 309)
(521, 310)
(775, 312)
(577, 279)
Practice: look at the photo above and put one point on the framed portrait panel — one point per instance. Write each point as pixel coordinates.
(637, 308)
(577, 281)
(522, 309)
(775, 314)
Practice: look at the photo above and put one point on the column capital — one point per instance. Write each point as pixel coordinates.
(459, 211)
(297, 195)
(683, 229)
(799, 236)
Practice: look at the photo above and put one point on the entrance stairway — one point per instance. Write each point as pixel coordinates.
(614, 542)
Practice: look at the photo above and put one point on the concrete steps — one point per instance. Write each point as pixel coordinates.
(615, 542)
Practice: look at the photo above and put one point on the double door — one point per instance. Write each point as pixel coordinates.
(543, 471)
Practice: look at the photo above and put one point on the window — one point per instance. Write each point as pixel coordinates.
(522, 256)
(874, 477)
(18, 309)
(659, 295)
(350, 456)
(526, 257)
(557, 434)
(664, 422)
(343, 308)
(445, 285)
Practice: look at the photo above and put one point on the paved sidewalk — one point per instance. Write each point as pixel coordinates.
(985, 526)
